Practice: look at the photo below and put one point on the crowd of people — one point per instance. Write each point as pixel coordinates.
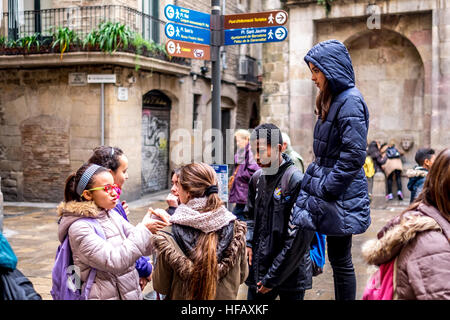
(274, 238)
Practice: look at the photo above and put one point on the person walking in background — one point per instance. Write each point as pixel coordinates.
(424, 158)
(373, 151)
(116, 162)
(92, 193)
(295, 157)
(201, 256)
(245, 168)
(333, 198)
(278, 251)
(413, 249)
(392, 167)
(369, 170)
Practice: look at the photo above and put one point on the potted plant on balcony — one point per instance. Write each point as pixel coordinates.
(65, 39)
(29, 44)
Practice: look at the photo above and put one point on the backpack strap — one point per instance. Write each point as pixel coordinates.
(287, 175)
(93, 272)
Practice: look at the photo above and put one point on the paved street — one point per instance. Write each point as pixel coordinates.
(32, 232)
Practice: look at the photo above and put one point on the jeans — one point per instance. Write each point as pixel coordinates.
(272, 295)
(340, 256)
(239, 210)
(398, 178)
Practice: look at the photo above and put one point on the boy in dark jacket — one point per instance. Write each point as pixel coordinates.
(424, 158)
(278, 250)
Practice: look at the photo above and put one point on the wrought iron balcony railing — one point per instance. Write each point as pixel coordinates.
(80, 19)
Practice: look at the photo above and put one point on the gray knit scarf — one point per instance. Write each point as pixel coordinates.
(188, 215)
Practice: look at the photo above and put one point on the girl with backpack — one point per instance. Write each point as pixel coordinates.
(202, 255)
(333, 198)
(392, 167)
(413, 249)
(92, 193)
(116, 162)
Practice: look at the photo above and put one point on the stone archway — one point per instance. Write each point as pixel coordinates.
(390, 74)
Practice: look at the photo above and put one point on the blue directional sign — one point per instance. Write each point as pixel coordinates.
(255, 35)
(190, 34)
(187, 16)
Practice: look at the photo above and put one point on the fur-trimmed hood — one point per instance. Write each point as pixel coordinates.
(73, 210)
(400, 230)
(183, 266)
(416, 172)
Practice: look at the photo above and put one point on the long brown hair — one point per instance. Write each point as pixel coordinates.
(436, 189)
(195, 178)
(323, 101)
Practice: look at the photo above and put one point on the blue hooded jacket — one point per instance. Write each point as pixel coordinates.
(333, 199)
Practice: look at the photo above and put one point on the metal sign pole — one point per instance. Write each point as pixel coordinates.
(102, 116)
(215, 69)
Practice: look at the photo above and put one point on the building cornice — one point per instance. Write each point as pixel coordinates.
(92, 58)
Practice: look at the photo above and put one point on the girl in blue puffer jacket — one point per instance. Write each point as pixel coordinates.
(333, 199)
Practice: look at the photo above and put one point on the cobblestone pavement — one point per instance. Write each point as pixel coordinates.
(32, 233)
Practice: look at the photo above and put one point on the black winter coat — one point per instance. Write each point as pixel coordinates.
(280, 249)
(334, 197)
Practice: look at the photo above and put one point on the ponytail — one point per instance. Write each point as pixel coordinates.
(213, 202)
(70, 188)
(203, 283)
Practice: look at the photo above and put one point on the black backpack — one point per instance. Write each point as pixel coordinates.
(15, 286)
(392, 153)
(317, 247)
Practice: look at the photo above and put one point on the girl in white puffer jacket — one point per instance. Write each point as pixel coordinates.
(91, 192)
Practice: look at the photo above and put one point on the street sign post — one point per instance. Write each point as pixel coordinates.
(187, 16)
(102, 79)
(255, 35)
(188, 50)
(255, 20)
(190, 34)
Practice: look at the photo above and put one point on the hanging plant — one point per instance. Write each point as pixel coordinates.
(326, 4)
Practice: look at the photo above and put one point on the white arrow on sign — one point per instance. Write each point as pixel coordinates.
(280, 33)
(170, 30)
(170, 12)
(280, 17)
(171, 47)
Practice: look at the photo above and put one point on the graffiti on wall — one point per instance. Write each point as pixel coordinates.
(155, 153)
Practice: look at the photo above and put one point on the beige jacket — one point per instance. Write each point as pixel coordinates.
(420, 242)
(173, 268)
(114, 259)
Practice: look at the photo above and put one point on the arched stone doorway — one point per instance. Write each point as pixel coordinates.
(155, 141)
(390, 74)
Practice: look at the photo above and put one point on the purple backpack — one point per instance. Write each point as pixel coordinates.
(64, 286)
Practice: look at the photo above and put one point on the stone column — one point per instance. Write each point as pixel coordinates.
(275, 97)
(302, 93)
(440, 117)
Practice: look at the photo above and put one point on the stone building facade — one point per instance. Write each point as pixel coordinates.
(400, 53)
(49, 122)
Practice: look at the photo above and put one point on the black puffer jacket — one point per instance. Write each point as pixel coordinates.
(280, 249)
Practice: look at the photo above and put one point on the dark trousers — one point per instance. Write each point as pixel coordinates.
(398, 177)
(340, 256)
(238, 211)
(273, 294)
